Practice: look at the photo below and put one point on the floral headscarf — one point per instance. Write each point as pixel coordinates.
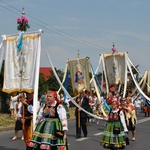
(55, 96)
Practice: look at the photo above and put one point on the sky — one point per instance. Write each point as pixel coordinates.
(90, 26)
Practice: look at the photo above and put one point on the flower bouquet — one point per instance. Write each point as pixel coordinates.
(22, 23)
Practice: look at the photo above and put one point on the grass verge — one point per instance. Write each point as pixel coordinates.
(8, 122)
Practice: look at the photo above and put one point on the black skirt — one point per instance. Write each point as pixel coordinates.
(131, 127)
(18, 125)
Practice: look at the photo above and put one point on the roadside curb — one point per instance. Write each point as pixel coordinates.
(6, 128)
(13, 127)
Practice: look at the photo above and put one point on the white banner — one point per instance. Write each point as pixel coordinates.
(20, 65)
(148, 82)
(115, 68)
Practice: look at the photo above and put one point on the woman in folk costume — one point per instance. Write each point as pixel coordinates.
(50, 132)
(131, 118)
(115, 129)
(124, 107)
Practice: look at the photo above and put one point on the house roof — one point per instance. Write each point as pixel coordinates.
(46, 71)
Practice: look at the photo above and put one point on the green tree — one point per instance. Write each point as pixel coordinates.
(43, 87)
(52, 81)
(53, 84)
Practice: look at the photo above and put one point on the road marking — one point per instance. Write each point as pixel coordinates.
(82, 139)
(139, 121)
(143, 120)
(98, 133)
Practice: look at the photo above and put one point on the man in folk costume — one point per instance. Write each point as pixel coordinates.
(27, 116)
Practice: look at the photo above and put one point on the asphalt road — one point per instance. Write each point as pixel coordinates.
(91, 142)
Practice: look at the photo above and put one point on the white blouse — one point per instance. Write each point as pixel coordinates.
(61, 113)
(122, 119)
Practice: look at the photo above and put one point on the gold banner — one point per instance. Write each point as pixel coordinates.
(79, 72)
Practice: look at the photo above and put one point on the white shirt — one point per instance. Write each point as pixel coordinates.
(61, 113)
(137, 103)
(122, 119)
(13, 102)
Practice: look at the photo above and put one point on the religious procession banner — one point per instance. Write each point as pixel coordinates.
(148, 82)
(20, 62)
(1, 55)
(115, 66)
(79, 72)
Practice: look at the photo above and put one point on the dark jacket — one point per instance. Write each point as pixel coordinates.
(84, 105)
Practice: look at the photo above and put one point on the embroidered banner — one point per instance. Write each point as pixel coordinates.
(115, 66)
(79, 71)
(148, 82)
(20, 65)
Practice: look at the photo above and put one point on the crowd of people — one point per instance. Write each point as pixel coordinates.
(53, 113)
(123, 117)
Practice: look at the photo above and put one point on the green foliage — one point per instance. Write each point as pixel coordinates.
(52, 82)
(23, 27)
(42, 85)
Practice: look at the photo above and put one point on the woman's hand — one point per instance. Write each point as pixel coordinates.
(42, 120)
(24, 101)
(22, 120)
(65, 135)
(105, 118)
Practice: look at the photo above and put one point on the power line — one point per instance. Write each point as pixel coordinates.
(52, 29)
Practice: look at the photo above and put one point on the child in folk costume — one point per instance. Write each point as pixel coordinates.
(115, 129)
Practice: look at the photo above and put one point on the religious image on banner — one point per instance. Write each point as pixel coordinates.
(79, 71)
(79, 77)
(20, 63)
(115, 68)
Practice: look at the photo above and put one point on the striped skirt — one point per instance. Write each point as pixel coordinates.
(111, 140)
(45, 133)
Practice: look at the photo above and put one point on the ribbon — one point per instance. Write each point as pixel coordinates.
(19, 45)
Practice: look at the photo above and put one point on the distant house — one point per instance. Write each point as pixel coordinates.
(46, 71)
